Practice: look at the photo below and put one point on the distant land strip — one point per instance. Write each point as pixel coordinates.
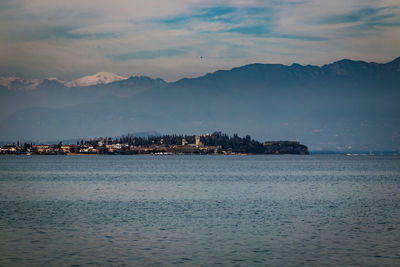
(216, 143)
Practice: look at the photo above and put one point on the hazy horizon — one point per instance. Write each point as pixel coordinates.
(326, 102)
(344, 105)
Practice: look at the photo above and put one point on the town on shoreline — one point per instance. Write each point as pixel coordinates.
(216, 143)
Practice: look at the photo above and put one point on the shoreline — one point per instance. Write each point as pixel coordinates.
(193, 154)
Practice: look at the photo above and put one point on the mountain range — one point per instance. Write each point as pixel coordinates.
(16, 83)
(346, 105)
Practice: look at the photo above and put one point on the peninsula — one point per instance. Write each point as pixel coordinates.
(216, 143)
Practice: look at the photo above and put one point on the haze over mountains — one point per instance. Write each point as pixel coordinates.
(346, 105)
(15, 83)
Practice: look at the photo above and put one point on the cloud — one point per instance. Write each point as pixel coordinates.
(366, 14)
(354, 16)
(166, 38)
(218, 13)
(264, 31)
(103, 35)
(251, 30)
(148, 54)
(366, 19)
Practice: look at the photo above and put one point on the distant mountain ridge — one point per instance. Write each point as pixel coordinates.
(344, 67)
(95, 79)
(345, 105)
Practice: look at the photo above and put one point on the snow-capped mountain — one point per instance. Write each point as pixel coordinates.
(98, 78)
(16, 83)
(55, 79)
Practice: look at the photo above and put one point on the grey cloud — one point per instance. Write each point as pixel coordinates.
(148, 54)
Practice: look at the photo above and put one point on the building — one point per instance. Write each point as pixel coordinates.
(41, 149)
(184, 142)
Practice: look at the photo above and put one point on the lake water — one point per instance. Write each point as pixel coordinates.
(200, 210)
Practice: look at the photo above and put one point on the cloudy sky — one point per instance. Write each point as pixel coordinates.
(186, 38)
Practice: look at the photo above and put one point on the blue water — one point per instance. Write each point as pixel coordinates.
(200, 210)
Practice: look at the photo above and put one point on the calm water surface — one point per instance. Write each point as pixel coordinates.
(200, 210)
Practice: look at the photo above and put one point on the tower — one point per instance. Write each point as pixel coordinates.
(198, 142)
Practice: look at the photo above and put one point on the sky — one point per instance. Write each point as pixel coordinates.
(188, 38)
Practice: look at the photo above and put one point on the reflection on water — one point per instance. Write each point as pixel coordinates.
(199, 210)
